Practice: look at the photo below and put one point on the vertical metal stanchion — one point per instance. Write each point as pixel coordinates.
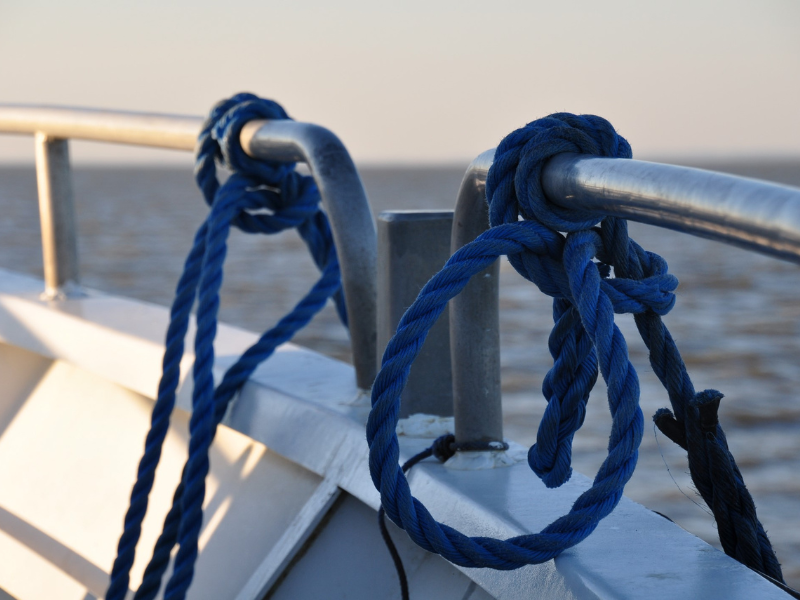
(412, 247)
(57, 215)
(475, 322)
(345, 201)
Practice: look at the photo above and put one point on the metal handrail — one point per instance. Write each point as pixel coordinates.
(177, 132)
(753, 214)
(340, 186)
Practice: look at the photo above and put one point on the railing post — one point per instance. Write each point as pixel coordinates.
(345, 201)
(412, 247)
(475, 322)
(57, 216)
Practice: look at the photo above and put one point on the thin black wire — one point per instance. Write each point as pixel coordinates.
(442, 448)
(669, 472)
(398, 562)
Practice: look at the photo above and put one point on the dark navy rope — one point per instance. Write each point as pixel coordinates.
(585, 300)
(592, 505)
(290, 200)
(159, 422)
(695, 426)
(234, 378)
(297, 203)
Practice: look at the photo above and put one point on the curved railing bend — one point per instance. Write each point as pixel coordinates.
(290, 141)
(753, 214)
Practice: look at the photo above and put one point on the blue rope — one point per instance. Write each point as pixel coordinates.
(695, 426)
(290, 200)
(523, 237)
(584, 334)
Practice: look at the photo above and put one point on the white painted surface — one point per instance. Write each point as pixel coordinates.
(420, 425)
(291, 542)
(473, 461)
(75, 442)
(66, 466)
(67, 460)
(348, 561)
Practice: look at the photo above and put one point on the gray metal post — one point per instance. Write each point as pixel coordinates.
(475, 322)
(412, 247)
(57, 215)
(353, 228)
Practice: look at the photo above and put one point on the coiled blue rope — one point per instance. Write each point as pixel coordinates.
(258, 197)
(575, 270)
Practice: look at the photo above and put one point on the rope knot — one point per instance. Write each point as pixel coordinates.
(267, 209)
(633, 296)
(268, 196)
(575, 270)
(275, 196)
(513, 186)
(443, 447)
(224, 126)
(514, 191)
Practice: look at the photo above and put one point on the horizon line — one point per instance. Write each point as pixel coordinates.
(666, 157)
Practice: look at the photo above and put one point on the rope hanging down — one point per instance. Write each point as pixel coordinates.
(575, 269)
(258, 197)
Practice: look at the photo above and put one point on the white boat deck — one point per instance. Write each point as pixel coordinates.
(290, 507)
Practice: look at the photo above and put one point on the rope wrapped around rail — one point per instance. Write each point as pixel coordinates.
(568, 257)
(258, 197)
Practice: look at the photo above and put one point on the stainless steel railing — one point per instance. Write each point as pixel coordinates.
(340, 186)
(753, 214)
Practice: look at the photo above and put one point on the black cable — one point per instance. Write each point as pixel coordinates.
(442, 448)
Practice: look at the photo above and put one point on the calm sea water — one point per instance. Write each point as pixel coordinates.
(736, 321)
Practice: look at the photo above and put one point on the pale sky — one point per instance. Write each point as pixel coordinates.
(422, 81)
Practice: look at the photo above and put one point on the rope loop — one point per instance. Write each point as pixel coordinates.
(526, 237)
(565, 254)
(209, 150)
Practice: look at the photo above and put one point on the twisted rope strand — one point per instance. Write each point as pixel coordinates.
(695, 426)
(159, 422)
(231, 382)
(566, 388)
(291, 200)
(201, 422)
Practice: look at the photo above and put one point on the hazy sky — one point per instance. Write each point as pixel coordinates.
(422, 81)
